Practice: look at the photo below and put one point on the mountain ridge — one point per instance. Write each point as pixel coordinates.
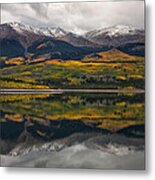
(125, 38)
(53, 31)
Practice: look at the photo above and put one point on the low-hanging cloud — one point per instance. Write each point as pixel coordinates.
(77, 17)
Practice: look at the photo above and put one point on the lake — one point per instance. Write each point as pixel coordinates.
(73, 130)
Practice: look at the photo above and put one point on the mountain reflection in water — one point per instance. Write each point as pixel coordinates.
(109, 123)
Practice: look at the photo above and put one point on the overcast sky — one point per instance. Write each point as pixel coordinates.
(76, 17)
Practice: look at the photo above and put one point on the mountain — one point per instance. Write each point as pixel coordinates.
(17, 39)
(24, 34)
(57, 49)
(122, 37)
(77, 40)
(113, 31)
(44, 31)
(54, 32)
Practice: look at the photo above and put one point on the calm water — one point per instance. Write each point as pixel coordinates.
(65, 130)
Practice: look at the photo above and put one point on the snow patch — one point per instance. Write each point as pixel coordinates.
(47, 31)
(113, 31)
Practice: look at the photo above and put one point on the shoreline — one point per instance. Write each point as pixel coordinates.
(61, 91)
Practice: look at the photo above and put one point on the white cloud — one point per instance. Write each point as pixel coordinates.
(79, 17)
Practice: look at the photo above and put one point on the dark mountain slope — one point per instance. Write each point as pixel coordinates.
(11, 48)
(58, 49)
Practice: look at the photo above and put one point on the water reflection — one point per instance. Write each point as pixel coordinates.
(31, 122)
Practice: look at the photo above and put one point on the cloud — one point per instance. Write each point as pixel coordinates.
(78, 17)
(77, 156)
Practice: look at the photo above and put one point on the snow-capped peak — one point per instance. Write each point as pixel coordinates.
(19, 27)
(57, 32)
(53, 31)
(47, 31)
(112, 31)
(120, 30)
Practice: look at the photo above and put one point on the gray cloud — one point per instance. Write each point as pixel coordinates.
(40, 9)
(79, 17)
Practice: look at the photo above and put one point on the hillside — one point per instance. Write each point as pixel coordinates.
(113, 55)
(111, 69)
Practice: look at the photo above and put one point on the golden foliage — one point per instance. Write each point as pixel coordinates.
(14, 117)
(20, 97)
(18, 85)
(110, 55)
(15, 61)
